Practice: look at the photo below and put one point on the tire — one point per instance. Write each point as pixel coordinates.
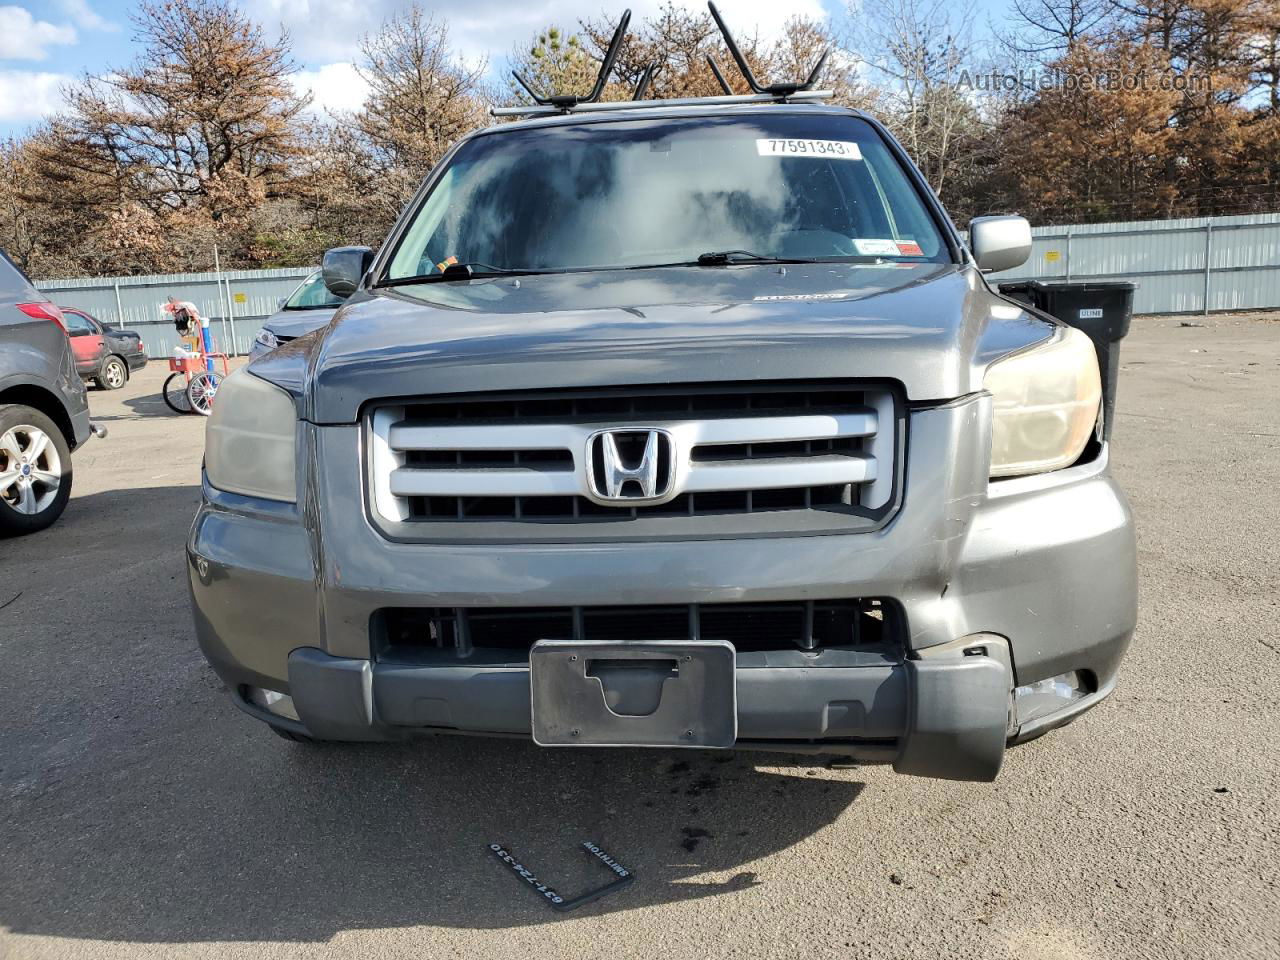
(35, 470)
(284, 734)
(175, 393)
(113, 375)
(201, 391)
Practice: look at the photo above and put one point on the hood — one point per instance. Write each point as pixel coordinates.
(298, 323)
(933, 328)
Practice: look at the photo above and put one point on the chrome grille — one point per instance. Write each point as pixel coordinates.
(464, 462)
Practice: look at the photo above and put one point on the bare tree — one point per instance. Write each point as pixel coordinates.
(920, 54)
(803, 40)
(422, 98)
(19, 235)
(150, 160)
(1052, 28)
(203, 116)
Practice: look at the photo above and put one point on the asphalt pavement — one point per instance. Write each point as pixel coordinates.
(142, 815)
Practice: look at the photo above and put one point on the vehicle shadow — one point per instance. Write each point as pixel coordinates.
(149, 405)
(140, 805)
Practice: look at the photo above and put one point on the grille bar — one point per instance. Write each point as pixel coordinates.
(498, 482)
(786, 473)
(541, 436)
(781, 474)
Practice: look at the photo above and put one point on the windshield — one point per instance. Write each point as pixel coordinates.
(311, 295)
(649, 192)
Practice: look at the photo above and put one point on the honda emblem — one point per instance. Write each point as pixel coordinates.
(630, 465)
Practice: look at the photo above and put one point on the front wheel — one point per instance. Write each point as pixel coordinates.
(113, 375)
(201, 391)
(175, 393)
(35, 470)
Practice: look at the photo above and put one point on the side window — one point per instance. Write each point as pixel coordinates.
(78, 325)
(312, 293)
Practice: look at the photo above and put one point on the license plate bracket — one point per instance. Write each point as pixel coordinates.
(660, 693)
(622, 877)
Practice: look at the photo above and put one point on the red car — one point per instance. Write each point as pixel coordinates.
(105, 355)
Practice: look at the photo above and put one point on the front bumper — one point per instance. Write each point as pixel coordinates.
(1029, 580)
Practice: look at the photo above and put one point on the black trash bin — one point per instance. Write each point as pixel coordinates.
(1101, 309)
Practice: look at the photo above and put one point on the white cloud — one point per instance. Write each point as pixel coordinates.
(26, 95)
(329, 31)
(334, 87)
(85, 17)
(22, 37)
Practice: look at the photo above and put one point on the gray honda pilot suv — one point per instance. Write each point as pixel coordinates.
(672, 425)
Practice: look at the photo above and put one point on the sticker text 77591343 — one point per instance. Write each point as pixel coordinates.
(819, 149)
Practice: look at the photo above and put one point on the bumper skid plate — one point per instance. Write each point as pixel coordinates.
(633, 694)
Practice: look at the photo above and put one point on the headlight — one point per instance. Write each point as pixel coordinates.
(1046, 405)
(249, 442)
(267, 339)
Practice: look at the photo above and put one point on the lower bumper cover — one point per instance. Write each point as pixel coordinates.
(937, 717)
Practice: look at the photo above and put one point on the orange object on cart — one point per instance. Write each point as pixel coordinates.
(187, 365)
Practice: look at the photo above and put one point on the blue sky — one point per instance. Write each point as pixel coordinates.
(44, 43)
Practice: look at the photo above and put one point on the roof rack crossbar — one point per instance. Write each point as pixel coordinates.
(776, 89)
(547, 110)
(566, 101)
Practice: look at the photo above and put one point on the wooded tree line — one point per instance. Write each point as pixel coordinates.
(1080, 110)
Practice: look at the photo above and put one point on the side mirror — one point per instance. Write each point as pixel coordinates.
(344, 267)
(281, 302)
(999, 243)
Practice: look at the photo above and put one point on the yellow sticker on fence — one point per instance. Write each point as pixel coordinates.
(1052, 256)
(239, 298)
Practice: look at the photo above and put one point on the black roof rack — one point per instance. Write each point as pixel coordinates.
(544, 105)
(780, 90)
(563, 101)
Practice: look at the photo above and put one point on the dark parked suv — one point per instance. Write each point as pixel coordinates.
(44, 413)
(672, 424)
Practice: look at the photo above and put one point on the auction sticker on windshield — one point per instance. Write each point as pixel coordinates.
(875, 248)
(826, 149)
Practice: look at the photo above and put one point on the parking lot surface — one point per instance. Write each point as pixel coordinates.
(142, 815)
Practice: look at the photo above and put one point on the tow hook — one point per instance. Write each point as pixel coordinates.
(98, 430)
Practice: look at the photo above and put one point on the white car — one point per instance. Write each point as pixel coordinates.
(308, 308)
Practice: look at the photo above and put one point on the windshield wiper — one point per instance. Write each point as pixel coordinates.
(472, 270)
(720, 257)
